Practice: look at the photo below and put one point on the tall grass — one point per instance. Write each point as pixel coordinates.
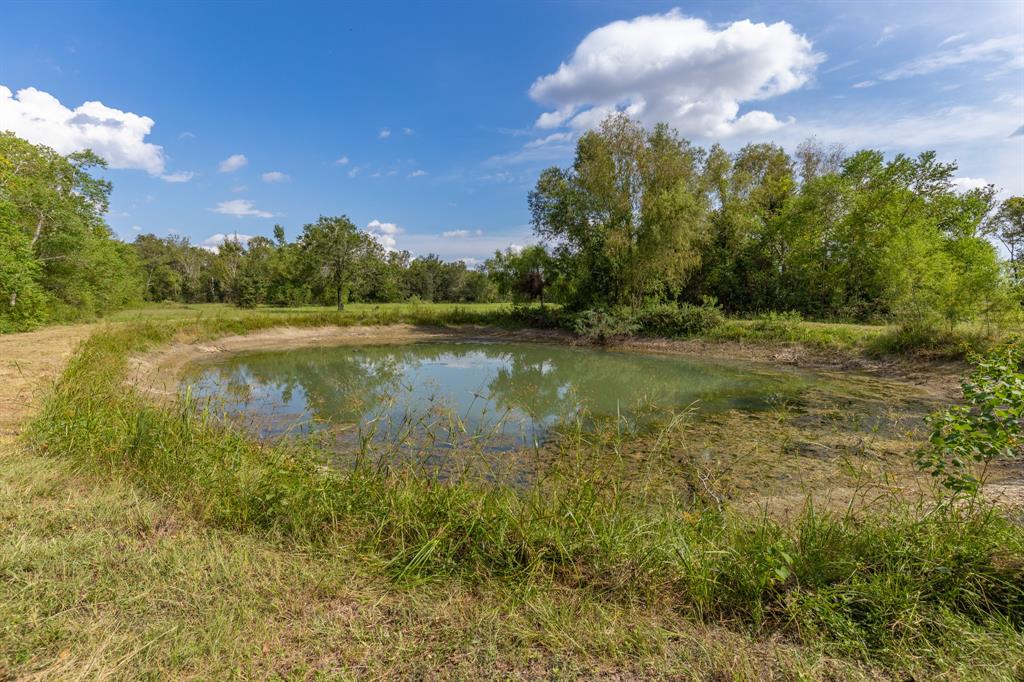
(908, 585)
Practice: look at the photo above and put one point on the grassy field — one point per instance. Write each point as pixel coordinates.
(143, 542)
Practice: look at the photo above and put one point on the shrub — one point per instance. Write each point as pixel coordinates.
(986, 426)
(684, 319)
(603, 326)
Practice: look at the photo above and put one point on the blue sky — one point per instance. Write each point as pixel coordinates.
(428, 123)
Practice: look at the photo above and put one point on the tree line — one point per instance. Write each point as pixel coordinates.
(640, 217)
(644, 216)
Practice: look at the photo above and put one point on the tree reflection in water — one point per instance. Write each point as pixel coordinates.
(421, 402)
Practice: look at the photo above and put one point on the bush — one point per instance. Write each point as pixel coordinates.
(684, 319)
(986, 426)
(780, 326)
(603, 326)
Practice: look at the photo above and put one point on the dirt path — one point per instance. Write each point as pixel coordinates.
(27, 362)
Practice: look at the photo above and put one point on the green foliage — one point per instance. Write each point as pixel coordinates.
(60, 260)
(987, 426)
(677, 319)
(524, 275)
(627, 218)
(22, 299)
(601, 325)
(779, 326)
(829, 235)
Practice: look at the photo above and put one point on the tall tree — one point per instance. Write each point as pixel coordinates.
(337, 251)
(627, 220)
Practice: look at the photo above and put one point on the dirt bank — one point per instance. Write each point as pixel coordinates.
(159, 371)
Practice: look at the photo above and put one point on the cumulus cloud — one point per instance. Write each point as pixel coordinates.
(460, 234)
(384, 233)
(117, 136)
(408, 131)
(965, 184)
(180, 176)
(274, 176)
(669, 67)
(214, 242)
(232, 163)
(418, 173)
(342, 161)
(384, 133)
(240, 208)
(1006, 53)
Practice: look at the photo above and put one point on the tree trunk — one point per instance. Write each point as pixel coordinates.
(341, 304)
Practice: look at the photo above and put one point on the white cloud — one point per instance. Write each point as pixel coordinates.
(354, 172)
(1007, 52)
(408, 131)
(239, 188)
(953, 38)
(342, 161)
(214, 242)
(669, 67)
(418, 173)
(965, 184)
(186, 135)
(136, 228)
(232, 163)
(240, 208)
(384, 133)
(384, 233)
(864, 84)
(116, 136)
(461, 234)
(180, 176)
(973, 136)
(274, 176)
(887, 34)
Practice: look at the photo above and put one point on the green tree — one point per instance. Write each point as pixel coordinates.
(627, 220)
(58, 206)
(337, 252)
(1007, 225)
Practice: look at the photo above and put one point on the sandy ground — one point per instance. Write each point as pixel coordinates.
(28, 362)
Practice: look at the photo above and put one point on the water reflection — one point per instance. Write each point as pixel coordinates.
(508, 394)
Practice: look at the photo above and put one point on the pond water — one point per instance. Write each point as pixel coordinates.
(506, 395)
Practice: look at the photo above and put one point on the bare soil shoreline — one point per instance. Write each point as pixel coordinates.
(158, 372)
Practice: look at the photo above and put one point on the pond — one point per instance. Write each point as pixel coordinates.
(503, 396)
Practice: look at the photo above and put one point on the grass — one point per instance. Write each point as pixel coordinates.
(872, 340)
(582, 575)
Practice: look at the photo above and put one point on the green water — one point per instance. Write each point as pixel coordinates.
(506, 395)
